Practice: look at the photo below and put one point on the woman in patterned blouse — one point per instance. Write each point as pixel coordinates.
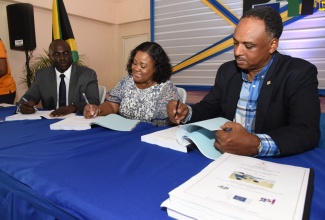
(145, 92)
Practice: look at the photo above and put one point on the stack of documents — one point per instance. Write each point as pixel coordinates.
(166, 138)
(238, 187)
(111, 121)
(201, 133)
(77, 123)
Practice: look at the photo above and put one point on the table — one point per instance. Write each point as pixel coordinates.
(102, 174)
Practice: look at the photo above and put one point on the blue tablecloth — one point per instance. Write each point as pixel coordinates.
(102, 174)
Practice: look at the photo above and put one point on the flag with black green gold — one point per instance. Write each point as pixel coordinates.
(61, 28)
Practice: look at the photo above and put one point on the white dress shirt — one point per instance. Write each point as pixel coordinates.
(67, 74)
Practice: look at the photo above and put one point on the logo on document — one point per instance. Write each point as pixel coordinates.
(223, 187)
(271, 201)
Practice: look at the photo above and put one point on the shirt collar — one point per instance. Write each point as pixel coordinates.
(67, 73)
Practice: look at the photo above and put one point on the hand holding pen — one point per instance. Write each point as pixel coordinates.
(91, 111)
(177, 111)
(27, 107)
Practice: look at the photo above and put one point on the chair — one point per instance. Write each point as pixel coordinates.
(182, 93)
(102, 93)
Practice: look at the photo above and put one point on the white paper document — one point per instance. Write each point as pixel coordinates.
(201, 133)
(111, 121)
(77, 123)
(35, 116)
(239, 187)
(2, 105)
(165, 138)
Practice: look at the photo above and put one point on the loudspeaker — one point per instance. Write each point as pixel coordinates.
(21, 26)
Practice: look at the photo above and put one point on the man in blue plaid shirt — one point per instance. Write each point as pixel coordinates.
(270, 99)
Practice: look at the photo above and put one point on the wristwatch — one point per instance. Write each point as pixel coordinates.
(259, 148)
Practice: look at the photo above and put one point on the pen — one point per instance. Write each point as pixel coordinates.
(228, 129)
(176, 108)
(86, 99)
(27, 101)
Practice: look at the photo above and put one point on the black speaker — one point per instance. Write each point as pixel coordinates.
(21, 26)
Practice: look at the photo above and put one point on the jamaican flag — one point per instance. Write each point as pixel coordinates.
(61, 28)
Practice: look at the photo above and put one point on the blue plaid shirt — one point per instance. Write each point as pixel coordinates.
(246, 110)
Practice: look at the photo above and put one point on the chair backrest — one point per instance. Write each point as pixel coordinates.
(102, 93)
(182, 93)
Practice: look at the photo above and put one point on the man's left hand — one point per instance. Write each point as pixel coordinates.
(64, 110)
(234, 139)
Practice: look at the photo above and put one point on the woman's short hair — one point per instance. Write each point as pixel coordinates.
(162, 66)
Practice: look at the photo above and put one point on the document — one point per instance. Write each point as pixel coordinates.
(111, 121)
(116, 122)
(2, 105)
(165, 138)
(201, 133)
(239, 187)
(35, 116)
(77, 123)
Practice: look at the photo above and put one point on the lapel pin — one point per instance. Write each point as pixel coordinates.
(268, 83)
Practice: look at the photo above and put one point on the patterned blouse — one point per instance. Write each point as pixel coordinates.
(146, 105)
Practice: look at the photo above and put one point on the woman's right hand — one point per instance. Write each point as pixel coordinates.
(91, 111)
(176, 112)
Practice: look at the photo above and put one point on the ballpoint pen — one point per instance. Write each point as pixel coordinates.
(176, 108)
(27, 101)
(228, 129)
(86, 99)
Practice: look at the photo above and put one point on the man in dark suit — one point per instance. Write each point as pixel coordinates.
(270, 99)
(77, 80)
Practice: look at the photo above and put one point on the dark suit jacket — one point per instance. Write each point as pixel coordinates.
(288, 106)
(82, 80)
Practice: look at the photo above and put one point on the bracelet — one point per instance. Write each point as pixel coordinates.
(18, 108)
